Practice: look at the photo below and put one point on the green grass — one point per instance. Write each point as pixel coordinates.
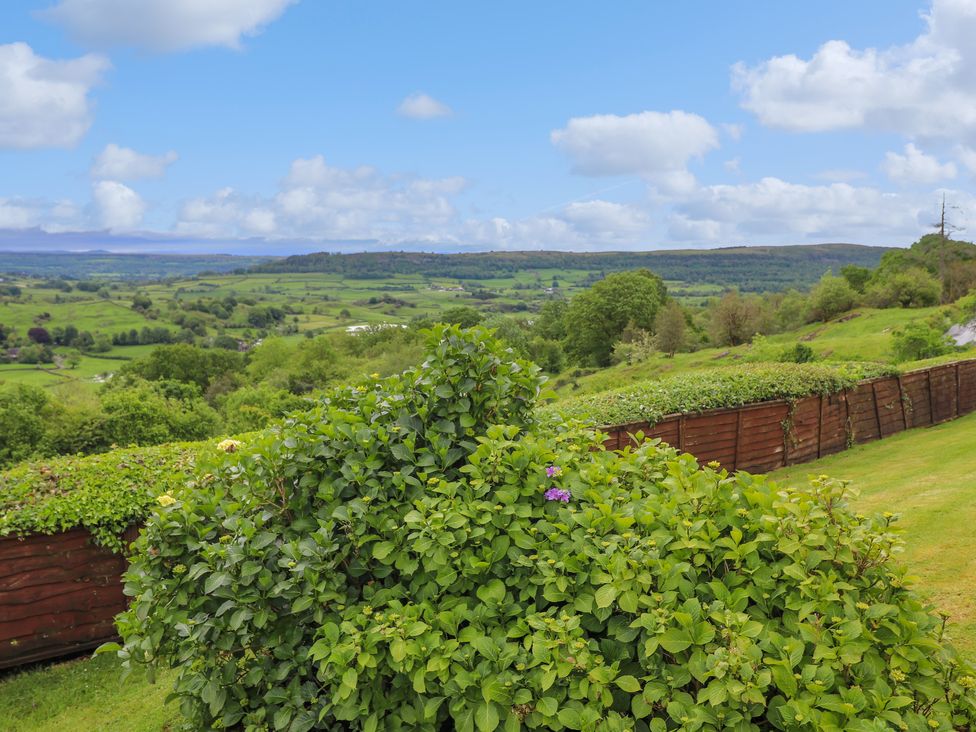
(928, 477)
(865, 337)
(85, 695)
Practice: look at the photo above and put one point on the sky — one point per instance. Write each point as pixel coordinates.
(279, 126)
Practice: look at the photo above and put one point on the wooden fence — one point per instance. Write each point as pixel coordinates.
(59, 594)
(765, 436)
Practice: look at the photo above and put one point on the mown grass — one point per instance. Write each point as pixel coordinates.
(928, 477)
(85, 695)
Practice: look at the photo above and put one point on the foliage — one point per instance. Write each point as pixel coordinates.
(102, 493)
(23, 413)
(186, 363)
(596, 317)
(254, 407)
(920, 340)
(912, 288)
(857, 277)
(949, 261)
(728, 386)
(152, 413)
(831, 297)
(798, 353)
(397, 560)
(734, 319)
(669, 328)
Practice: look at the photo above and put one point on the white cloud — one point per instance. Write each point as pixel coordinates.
(44, 103)
(966, 156)
(117, 206)
(319, 201)
(606, 220)
(25, 213)
(732, 165)
(423, 106)
(655, 145)
(775, 211)
(165, 25)
(123, 163)
(925, 89)
(916, 167)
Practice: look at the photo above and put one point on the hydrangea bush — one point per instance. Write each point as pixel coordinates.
(418, 554)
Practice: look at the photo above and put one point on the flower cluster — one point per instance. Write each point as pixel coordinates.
(557, 494)
(229, 445)
(166, 500)
(554, 493)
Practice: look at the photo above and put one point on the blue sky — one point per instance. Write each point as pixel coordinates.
(297, 125)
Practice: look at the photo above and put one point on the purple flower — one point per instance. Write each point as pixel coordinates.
(557, 494)
(553, 470)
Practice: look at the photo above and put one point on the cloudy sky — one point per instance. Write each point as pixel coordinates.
(309, 124)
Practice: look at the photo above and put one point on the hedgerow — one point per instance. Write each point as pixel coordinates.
(726, 386)
(103, 493)
(417, 553)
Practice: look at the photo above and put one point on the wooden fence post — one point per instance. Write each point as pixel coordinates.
(820, 421)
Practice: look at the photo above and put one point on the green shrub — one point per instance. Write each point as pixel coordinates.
(417, 554)
(798, 353)
(102, 493)
(918, 340)
(729, 386)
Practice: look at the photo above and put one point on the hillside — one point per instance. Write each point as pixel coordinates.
(752, 269)
(82, 265)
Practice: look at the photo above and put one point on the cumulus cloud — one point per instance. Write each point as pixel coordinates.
(925, 89)
(164, 25)
(321, 201)
(655, 145)
(916, 167)
(45, 103)
(423, 106)
(776, 211)
(123, 163)
(117, 207)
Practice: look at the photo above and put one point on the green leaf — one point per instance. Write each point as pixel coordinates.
(628, 684)
(605, 596)
(570, 718)
(547, 706)
(215, 581)
(493, 591)
(486, 717)
(382, 550)
(675, 640)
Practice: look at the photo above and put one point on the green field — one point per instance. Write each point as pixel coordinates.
(865, 334)
(84, 695)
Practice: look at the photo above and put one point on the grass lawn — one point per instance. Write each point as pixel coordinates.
(84, 695)
(928, 477)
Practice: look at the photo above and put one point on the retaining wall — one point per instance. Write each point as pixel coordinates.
(765, 436)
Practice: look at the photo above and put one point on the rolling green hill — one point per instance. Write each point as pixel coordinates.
(748, 268)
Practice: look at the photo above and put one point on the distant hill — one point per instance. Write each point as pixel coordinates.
(96, 264)
(748, 268)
